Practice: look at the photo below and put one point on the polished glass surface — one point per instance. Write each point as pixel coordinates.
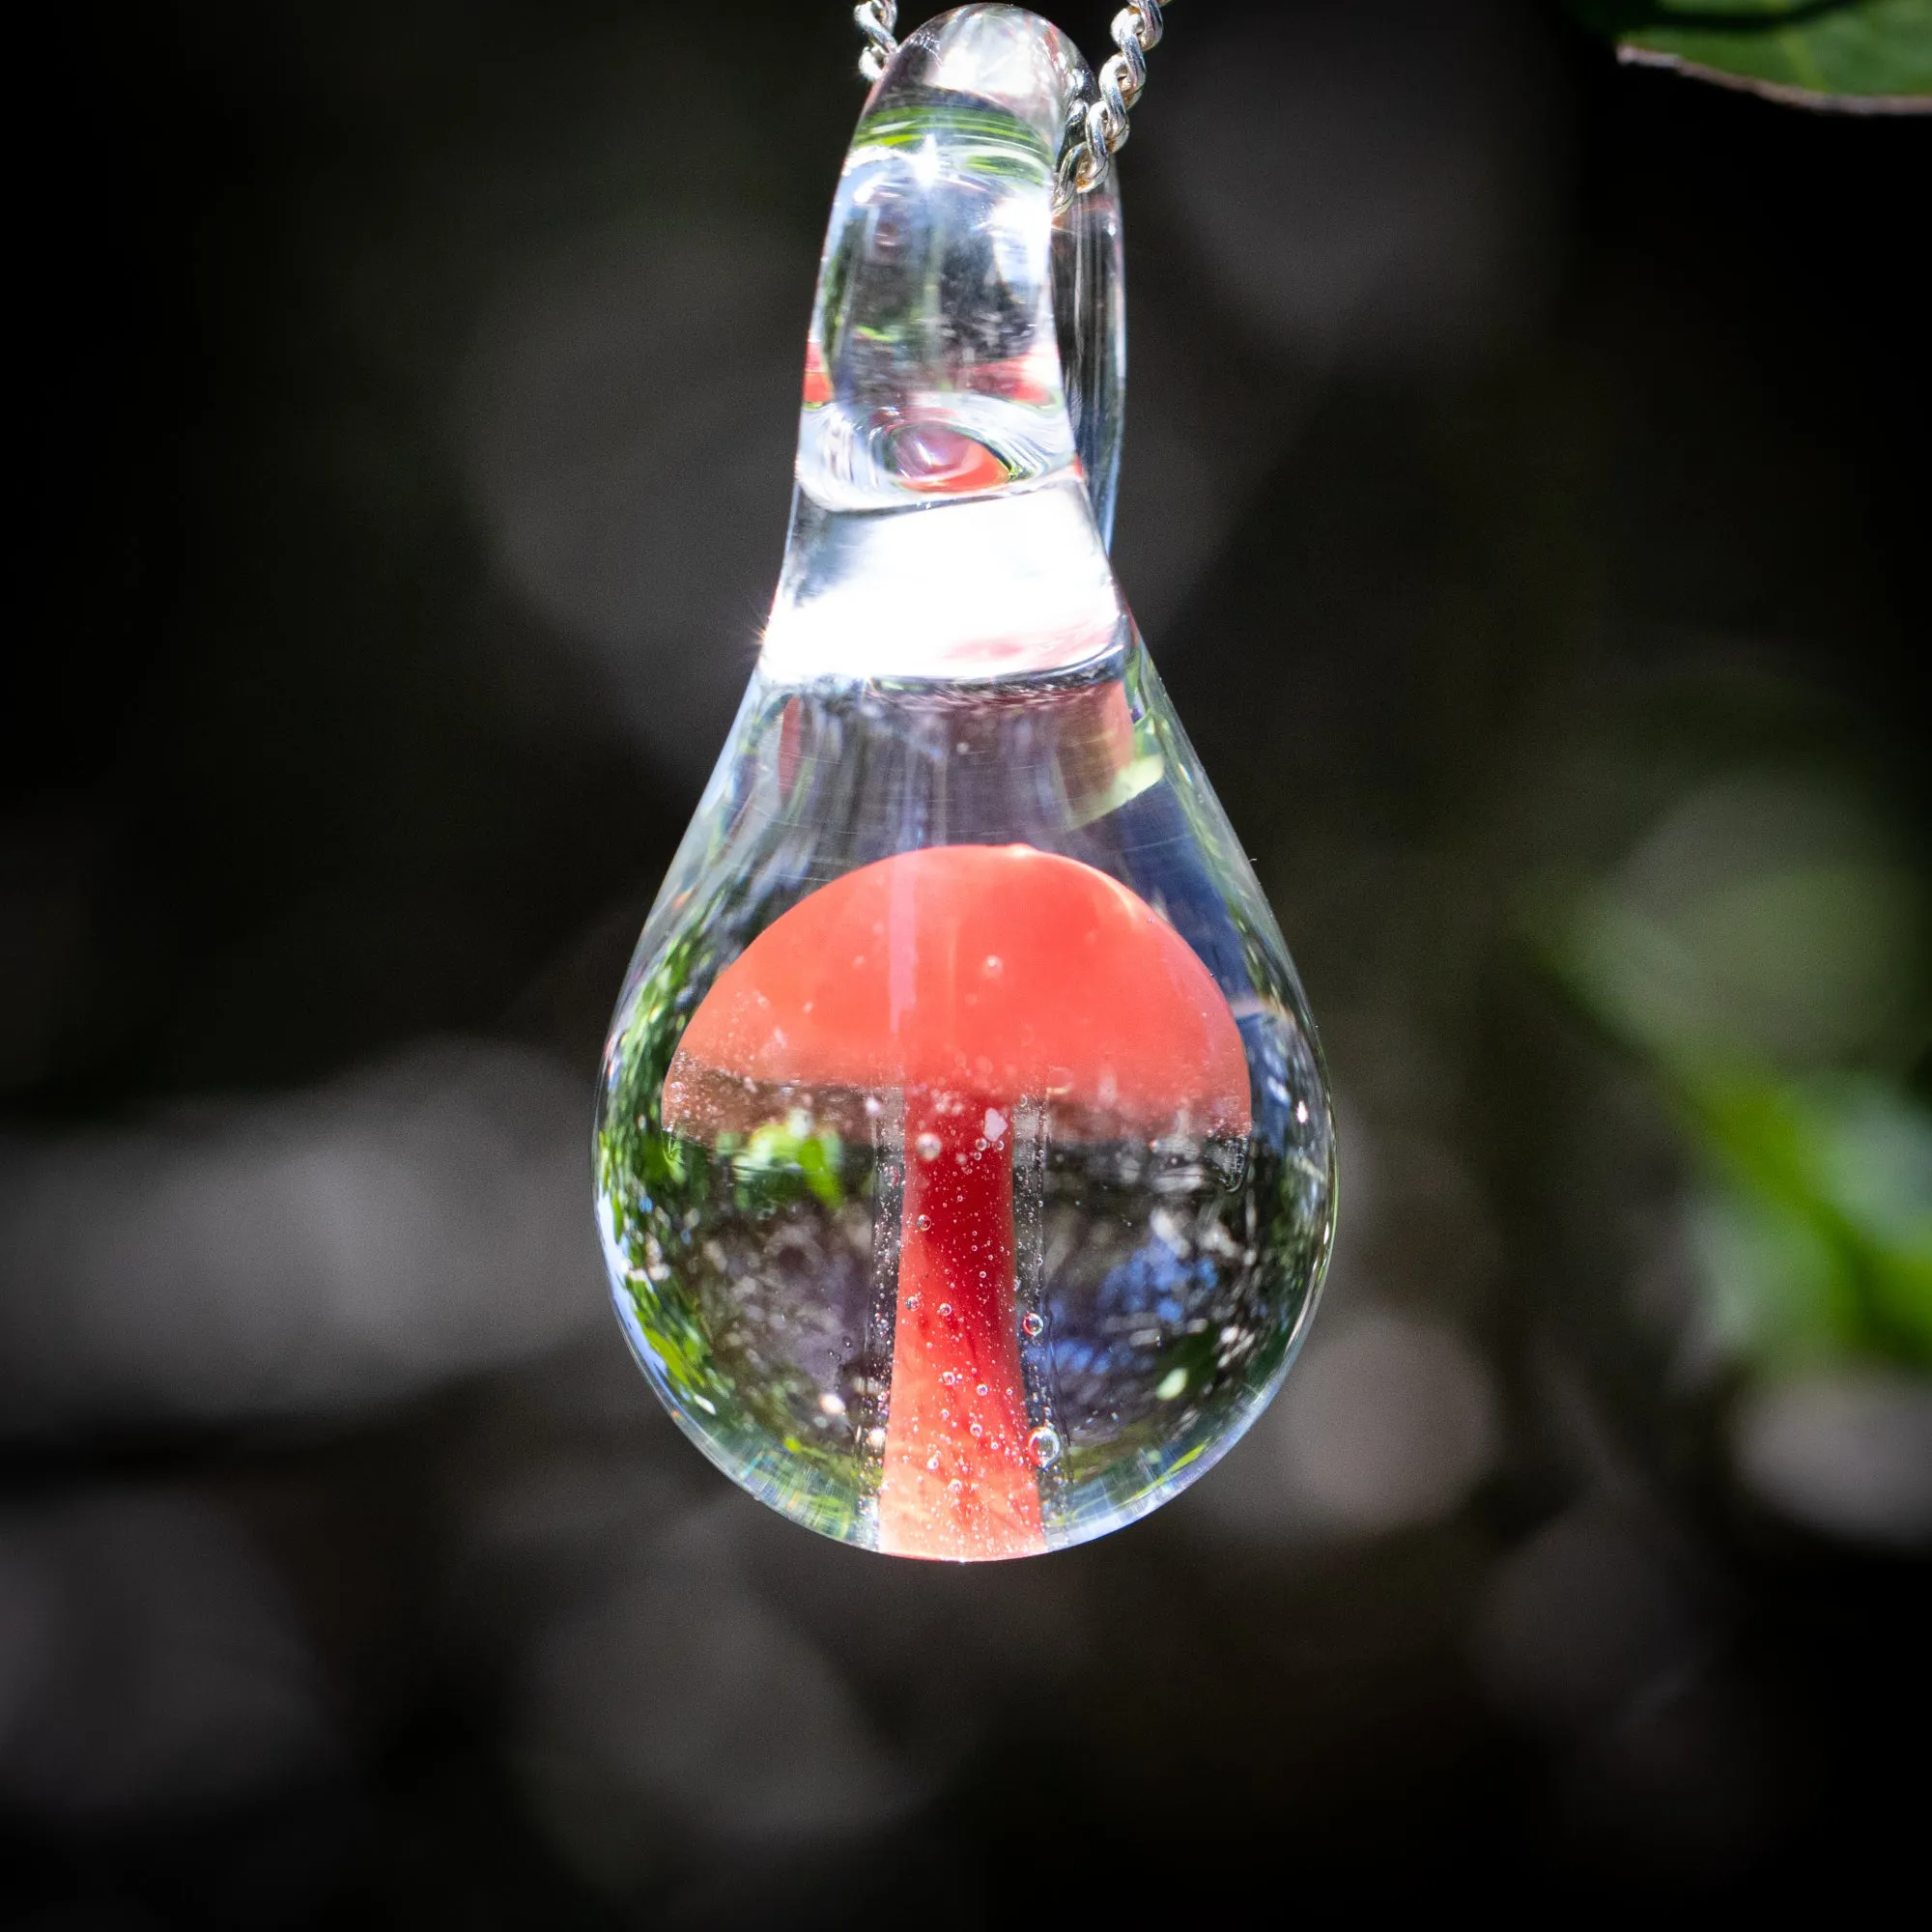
(964, 1158)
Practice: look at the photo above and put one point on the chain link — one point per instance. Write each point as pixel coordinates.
(876, 20)
(1090, 159)
(1137, 31)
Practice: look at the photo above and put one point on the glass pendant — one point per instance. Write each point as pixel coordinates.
(964, 1160)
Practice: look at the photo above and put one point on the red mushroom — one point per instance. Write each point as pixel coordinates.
(970, 979)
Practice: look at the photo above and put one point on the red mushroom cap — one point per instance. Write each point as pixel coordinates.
(992, 970)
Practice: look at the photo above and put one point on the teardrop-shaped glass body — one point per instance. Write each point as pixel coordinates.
(964, 1160)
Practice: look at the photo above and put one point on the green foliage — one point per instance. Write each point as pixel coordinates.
(1817, 53)
(781, 1161)
(666, 1196)
(1766, 974)
(652, 1184)
(1813, 1232)
(994, 143)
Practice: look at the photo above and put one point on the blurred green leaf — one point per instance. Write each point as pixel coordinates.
(1813, 1231)
(792, 1150)
(1753, 950)
(1856, 54)
(1809, 964)
(1811, 1221)
(1768, 920)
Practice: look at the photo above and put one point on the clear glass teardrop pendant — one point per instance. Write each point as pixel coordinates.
(964, 1160)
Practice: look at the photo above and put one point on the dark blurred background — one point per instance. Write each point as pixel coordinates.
(1525, 498)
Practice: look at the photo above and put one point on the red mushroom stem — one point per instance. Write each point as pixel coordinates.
(959, 1476)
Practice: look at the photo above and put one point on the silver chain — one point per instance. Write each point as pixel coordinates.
(876, 20)
(1137, 32)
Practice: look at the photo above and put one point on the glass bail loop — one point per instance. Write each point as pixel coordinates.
(960, 430)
